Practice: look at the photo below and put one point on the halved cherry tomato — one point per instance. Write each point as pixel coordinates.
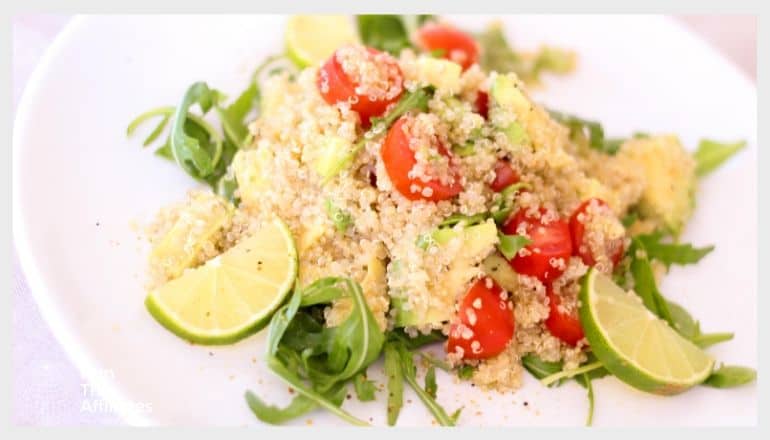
(336, 86)
(550, 241)
(482, 104)
(486, 322)
(564, 326)
(613, 248)
(399, 160)
(505, 176)
(456, 44)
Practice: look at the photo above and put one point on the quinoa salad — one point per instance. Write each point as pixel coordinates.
(392, 185)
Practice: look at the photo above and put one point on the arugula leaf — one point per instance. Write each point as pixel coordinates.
(410, 375)
(341, 218)
(395, 382)
(569, 374)
(139, 120)
(612, 145)
(711, 154)
(645, 285)
(188, 150)
(596, 373)
(430, 382)
(438, 363)
(688, 327)
(730, 376)
(630, 219)
(705, 340)
(465, 372)
(583, 127)
(274, 415)
(590, 389)
(504, 206)
(420, 340)
(365, 389)
(684, 323)
(497, 55)
(383, 32)
(553, 59)
(671, 253)
(467, 220)
(541, 369)
(511, 244)
(301, 348)
(456, 415)
(417, 100)
(232, 116)
(299, 406)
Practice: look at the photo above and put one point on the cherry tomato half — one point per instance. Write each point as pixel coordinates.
(586, 215)
(456, 45)
(482, 104)
(399, 160)
(561, 324)
(486, 322)
(505, 176)
(336, 85)
(550, 242)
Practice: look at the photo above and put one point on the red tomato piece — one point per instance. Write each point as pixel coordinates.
(486, 322)
(399, 160)
(482, 104)
(613, 247)
(563, 325)
(336, 85)
(456, 45)
(550, 242)
(505, 176)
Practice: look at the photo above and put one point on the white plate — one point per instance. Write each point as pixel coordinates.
(78, 184)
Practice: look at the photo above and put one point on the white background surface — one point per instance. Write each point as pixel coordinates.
(47, 389)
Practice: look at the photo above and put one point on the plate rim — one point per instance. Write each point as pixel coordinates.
(41, 290)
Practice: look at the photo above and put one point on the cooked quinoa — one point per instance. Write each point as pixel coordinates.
(277, 177)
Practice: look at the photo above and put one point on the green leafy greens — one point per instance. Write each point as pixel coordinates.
(671, 253)
(497, 55)
(390, 33)
(365, 388)
(314, 359)
(341, 218)
(729, 376)
(511, 244)
(711, 154)
(194, 144)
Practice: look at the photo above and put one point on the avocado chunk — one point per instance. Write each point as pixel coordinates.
(478, 242)
(668, 198)
(442, 74)
(333, 155)
(498, 268)
(506, 93)
(507, 96)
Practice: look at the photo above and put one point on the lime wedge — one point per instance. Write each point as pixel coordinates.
(635, 345)
(233, 295)
(311, 39)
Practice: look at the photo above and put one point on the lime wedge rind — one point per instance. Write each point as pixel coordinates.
(628, 367)
(171, 319)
